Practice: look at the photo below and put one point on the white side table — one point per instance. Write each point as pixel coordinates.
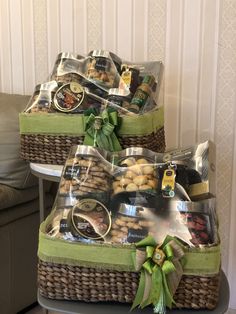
(45, 172)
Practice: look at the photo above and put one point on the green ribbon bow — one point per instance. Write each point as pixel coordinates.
(99, 131)
(161, 272)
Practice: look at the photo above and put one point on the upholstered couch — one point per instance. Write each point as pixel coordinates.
(19, 214)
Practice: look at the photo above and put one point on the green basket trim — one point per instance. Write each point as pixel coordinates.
(83, 254)
(54, 123)
(198, 261)
(73, 124)
(142, 124)
(202, 261)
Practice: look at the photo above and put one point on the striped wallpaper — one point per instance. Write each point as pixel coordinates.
(195, 39)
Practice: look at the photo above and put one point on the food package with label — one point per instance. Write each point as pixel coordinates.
(99, 80)
(123, 197)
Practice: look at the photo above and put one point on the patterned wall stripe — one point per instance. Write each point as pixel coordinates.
(94, 28)
(156, 29)
(232, 246)
(156, 35)
(40, 40)
(225, 120)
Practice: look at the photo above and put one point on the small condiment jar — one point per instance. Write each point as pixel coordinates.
(69, 97)
(142, 94)
(42, 99)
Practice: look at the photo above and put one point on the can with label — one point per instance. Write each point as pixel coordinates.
(90, 219)
(69, 97)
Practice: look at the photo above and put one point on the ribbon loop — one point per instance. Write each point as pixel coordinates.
(160, 265)
(99, 130)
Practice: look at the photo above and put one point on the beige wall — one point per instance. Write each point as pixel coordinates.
(196, 40)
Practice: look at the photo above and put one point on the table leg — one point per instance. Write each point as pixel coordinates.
(41, 200)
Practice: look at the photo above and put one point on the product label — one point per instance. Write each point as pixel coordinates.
(69, 97)
(102, 64)
(71, 172)
(139, 98)
(126, 76)
(135, 235)
(63, 226)
(91, 219)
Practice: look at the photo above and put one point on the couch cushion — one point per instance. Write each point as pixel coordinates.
(13, 171)
(9, 215)
(11, 197)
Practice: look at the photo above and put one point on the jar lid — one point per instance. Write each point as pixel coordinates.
(47, 86)
(69, 97)
(91, 219)
(68, 55)
(99, 53)
(134, 210)
(105, 54)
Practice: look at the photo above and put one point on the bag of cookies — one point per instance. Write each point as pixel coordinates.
(83, 195)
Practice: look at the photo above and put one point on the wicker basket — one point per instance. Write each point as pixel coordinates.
(104, 272)
(65, 282)
(48, 138)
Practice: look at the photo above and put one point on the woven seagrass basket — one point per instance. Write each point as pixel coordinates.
(102, 272)
(48, 138)
(65, 282)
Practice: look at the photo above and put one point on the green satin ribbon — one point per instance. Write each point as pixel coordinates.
(159, 262)
(99, 131)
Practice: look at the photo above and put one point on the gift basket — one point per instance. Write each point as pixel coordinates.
(133, 226)
(98, 100)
